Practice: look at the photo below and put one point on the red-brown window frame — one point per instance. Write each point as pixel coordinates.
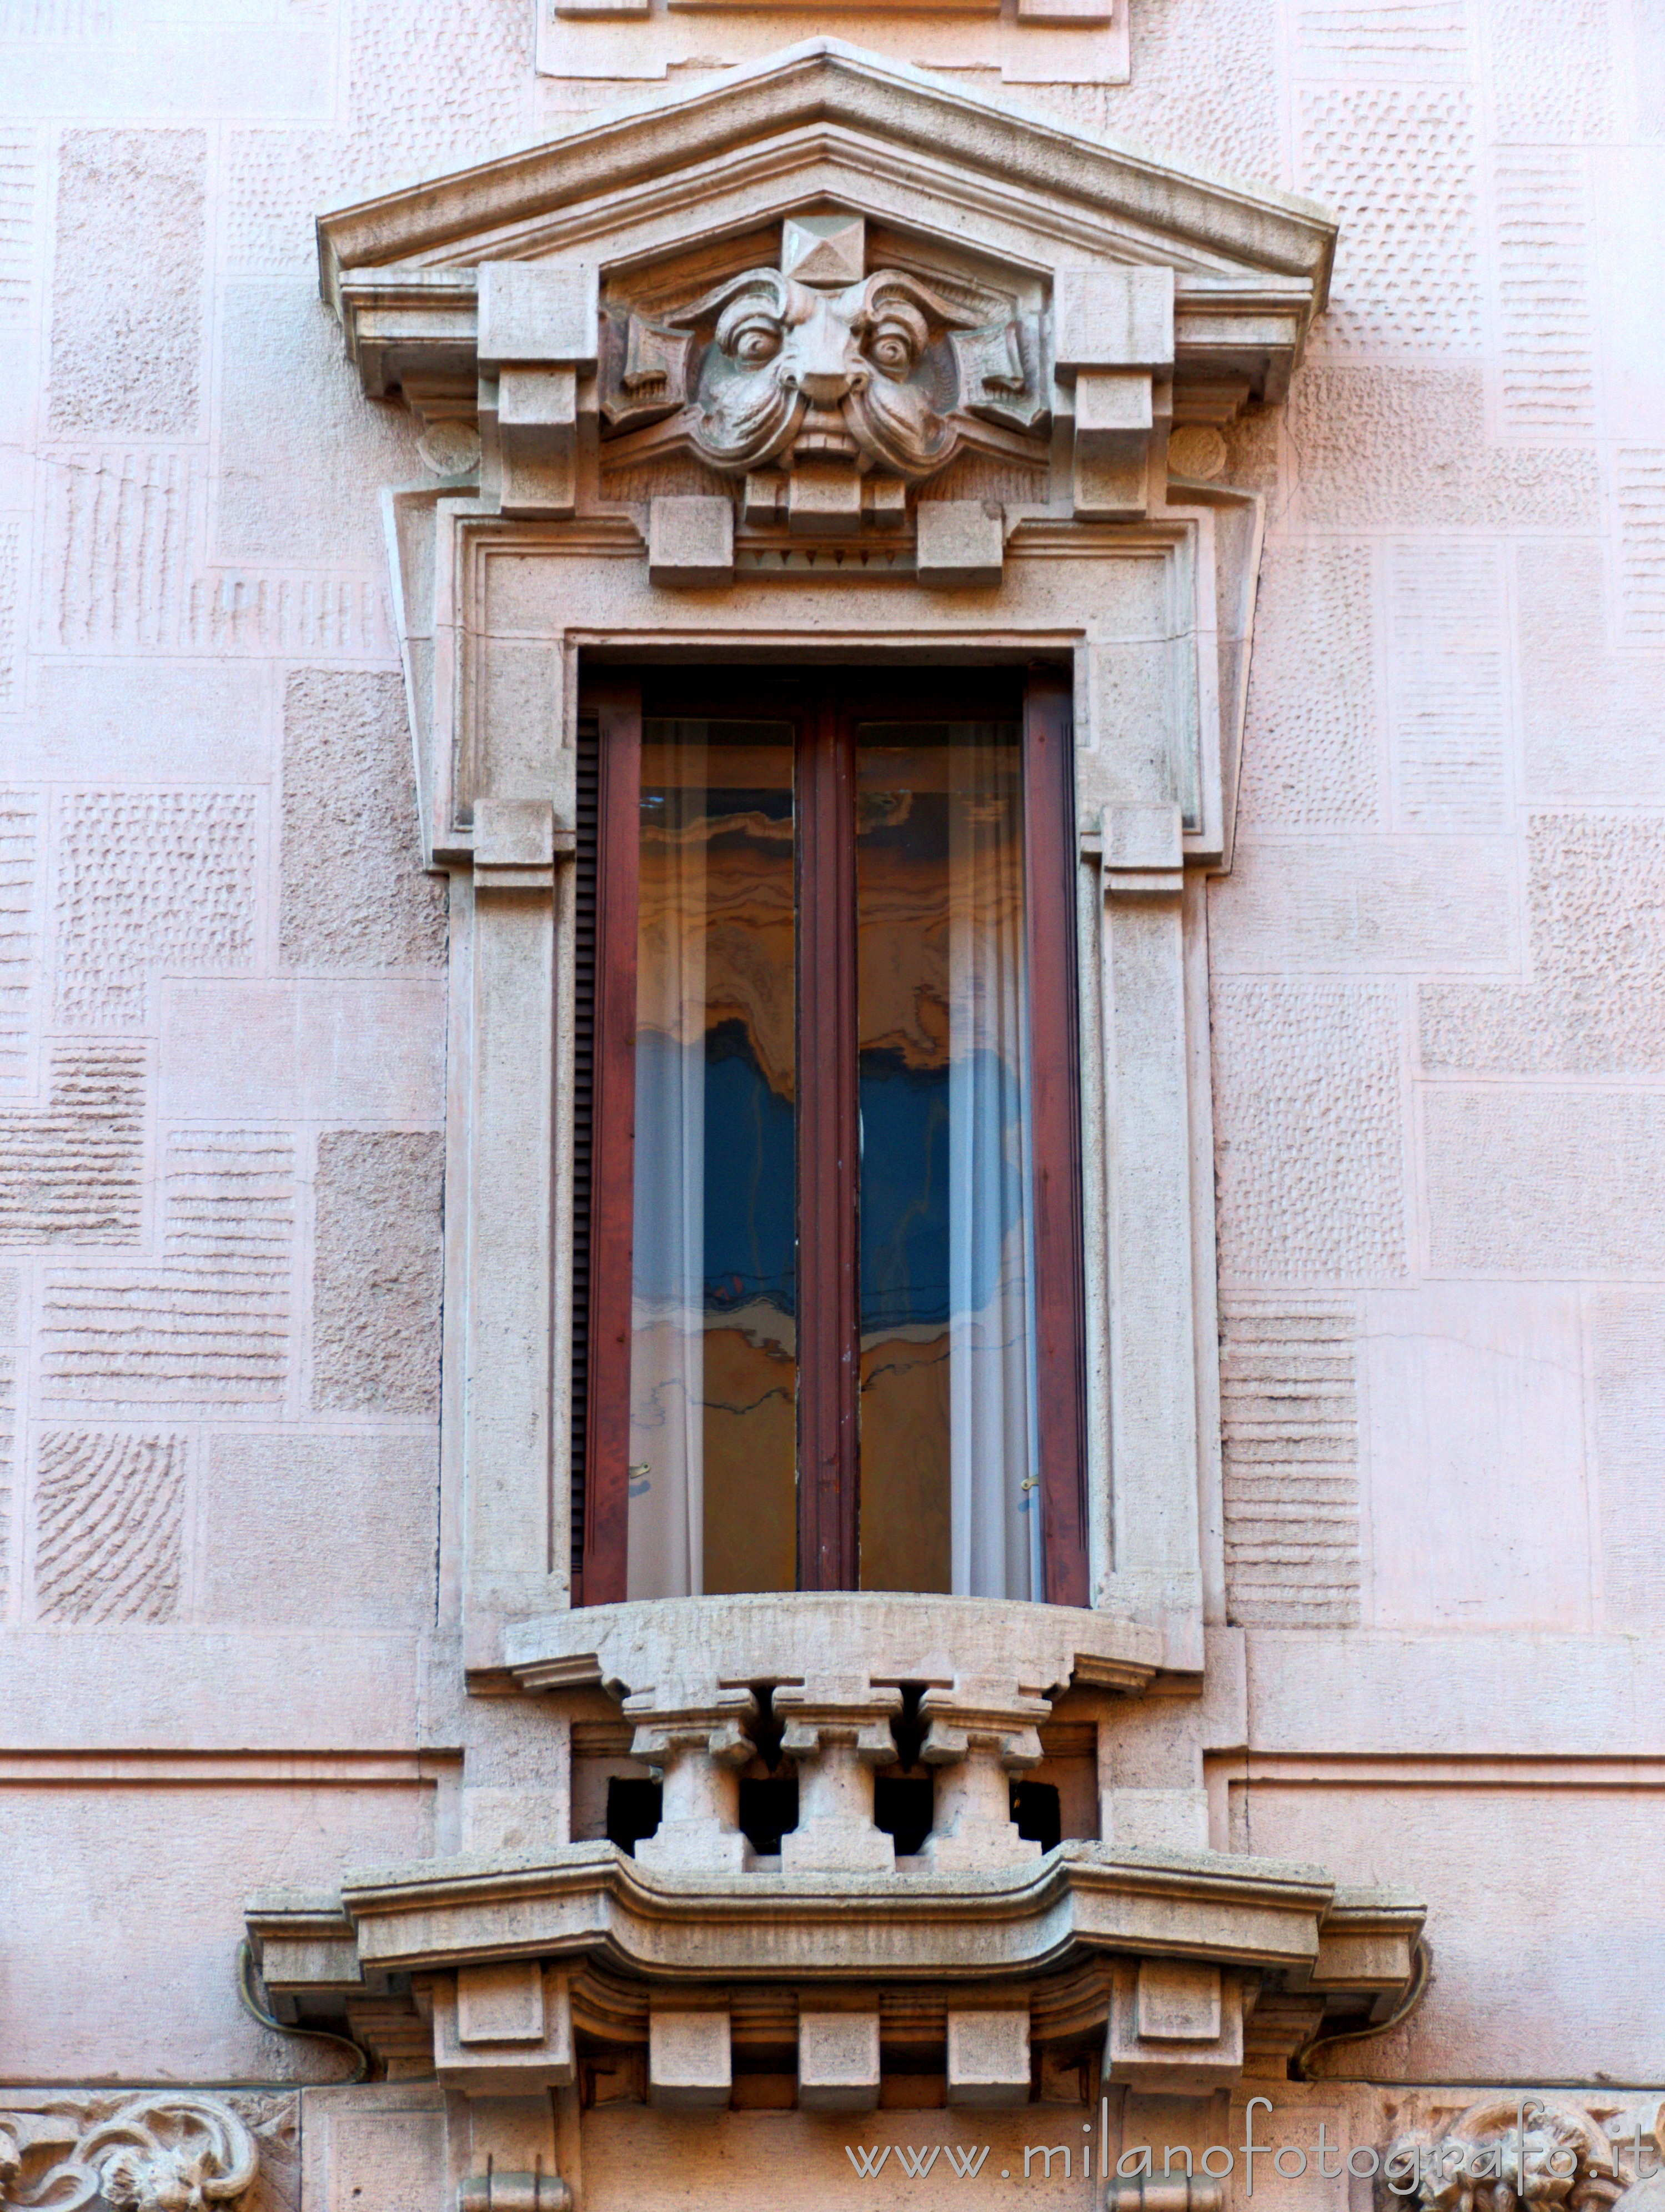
(826, 704)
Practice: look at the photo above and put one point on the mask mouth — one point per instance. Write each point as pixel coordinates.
(824, 435)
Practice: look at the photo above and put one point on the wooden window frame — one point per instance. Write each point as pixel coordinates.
(825, 705)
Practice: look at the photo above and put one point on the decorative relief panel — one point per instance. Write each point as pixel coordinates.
(156, 2153)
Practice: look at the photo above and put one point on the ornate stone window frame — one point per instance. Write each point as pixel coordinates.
(1163, 299)
(1085, 303)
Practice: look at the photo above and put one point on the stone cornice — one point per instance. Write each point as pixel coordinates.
(591, 1901)
(1201, 217)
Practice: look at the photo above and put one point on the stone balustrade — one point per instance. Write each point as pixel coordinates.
(837, 1729)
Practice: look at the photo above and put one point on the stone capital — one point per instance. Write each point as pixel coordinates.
(981, 1718)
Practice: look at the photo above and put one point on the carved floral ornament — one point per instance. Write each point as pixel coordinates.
(153, 2153)
(1515, 2152)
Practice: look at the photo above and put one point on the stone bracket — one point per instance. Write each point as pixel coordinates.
(502, 2029)
(539, 324)
(1115, 345)
(1175, 2027)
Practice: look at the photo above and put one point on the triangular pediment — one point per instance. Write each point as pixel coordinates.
(822, 125)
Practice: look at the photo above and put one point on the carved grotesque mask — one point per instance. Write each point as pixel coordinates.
(865, 373)
(820, 369)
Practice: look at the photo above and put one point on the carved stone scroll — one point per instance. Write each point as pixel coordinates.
(156, 2153)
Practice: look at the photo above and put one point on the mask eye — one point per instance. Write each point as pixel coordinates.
(892, 348)
(754, 342)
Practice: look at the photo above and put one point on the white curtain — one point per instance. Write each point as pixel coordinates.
(995, 1517)
(667, 1359)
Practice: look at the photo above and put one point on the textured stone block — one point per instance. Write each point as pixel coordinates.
(1114, 317)
(1309, 1131)
(315, 1531)
(1552, 63)
(1590, 716)
(1641, 499)
(690, 2067)
(1544, 1182)
(18, 162)
(1407, 448)
(1362, 40)
(1289, 1422)
(1397, 164)
(127, 286)
(209, 1325)
(1372, 903)
(1595, 1004)
(123, 530)
(11, 612)
(302, 448)
(691, 541)
(838, 2059)
(354, 894)
(322, 1051)
(148, 880)
(108, 1513)
(1210, 83)
(69, 1171)
(1474, 1431)
(989, 2060)
(961, 543)
(1311, 743)
(376, 1272)
(20, 849)
(1450, 680)
(1545, 312)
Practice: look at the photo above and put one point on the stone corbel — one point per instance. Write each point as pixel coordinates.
(538, 330)
(979, 1733)
(1115, 343)
(1175, 2027)
(838, 1730)
(839, 2065)
(695, 1739)
(503, 2030)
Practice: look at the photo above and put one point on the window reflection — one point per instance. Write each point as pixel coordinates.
(948, 1495)
(714, 1355)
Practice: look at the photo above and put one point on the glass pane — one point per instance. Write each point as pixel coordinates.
(714, 1373)
(949, 1499)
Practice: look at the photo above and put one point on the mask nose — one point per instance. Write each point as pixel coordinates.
(827, 365)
